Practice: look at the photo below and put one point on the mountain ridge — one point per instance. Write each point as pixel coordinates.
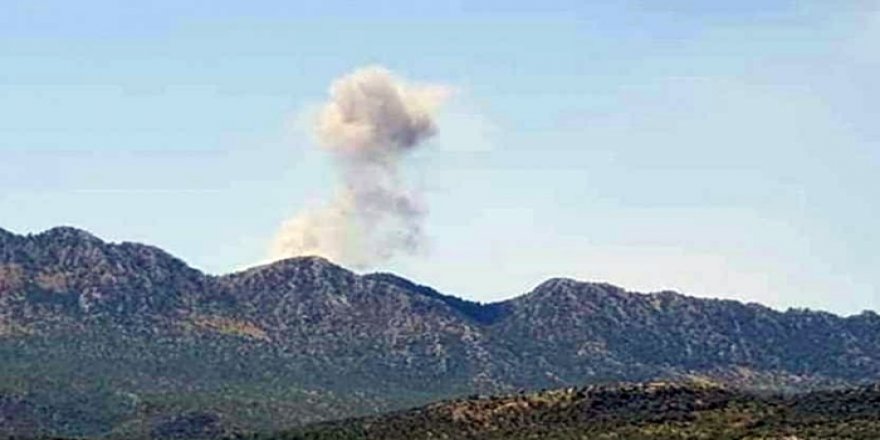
(70, 232)
(306, 340)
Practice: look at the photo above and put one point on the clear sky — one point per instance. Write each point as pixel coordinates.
(722, 151)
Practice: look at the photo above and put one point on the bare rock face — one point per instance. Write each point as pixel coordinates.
(304, 339)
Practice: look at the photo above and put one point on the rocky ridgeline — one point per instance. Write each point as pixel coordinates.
(303, 339)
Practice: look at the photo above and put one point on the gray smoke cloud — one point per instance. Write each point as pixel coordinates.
(371, 121)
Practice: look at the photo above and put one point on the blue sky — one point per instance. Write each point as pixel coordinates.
(722, 151)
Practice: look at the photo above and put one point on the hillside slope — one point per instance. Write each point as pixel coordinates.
(99, 338)
(642, 411)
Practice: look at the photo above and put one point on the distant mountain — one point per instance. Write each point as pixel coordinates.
(124, 339)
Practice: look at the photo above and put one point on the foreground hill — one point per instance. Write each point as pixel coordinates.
(101, 338)
(648, 411)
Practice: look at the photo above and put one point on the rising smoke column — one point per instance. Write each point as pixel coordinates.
(371, 121)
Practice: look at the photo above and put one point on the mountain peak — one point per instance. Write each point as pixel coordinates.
(69, 233)
(552, 283)
(313, 260)
(312, 263)
(561, 284)
(302, 268)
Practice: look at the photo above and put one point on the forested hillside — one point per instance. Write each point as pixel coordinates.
(124, 339)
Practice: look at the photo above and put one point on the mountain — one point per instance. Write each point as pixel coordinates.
(631, 411)
(123, 339)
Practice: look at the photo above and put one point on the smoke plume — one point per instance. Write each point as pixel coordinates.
(371, 121)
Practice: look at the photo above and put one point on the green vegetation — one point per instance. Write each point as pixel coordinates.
(648, 411)
(125, 341)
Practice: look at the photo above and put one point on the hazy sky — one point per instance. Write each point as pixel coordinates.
(725, 151)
